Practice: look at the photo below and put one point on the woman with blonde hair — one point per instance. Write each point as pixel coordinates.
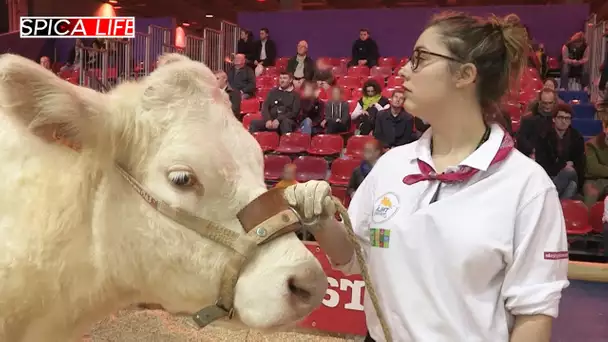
(463, 235)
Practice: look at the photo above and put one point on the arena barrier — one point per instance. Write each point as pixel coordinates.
(195, 48)
(160, 39)
(230, 33)
(140, 51)
(595, 34)
(212, 56)
(92, 68)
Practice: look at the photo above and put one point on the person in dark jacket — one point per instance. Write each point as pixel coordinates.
(371, 153)
(311, 110)
(241, 77)
(394, 126)
(596, 177)
(368, 106)
(246, 46)
(574, 57)
(560, 150)
(337, 118)
(301, 66)
(280, 109)
(233, 95)
(536, 121)
(365, 50)
(265, 49)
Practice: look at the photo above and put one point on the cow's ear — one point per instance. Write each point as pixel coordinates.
(49, 106)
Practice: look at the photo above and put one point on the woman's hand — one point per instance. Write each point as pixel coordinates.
(312, 200)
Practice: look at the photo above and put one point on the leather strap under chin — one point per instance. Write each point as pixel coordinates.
(264, 219)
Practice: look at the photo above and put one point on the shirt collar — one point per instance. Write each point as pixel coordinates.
(480, 159)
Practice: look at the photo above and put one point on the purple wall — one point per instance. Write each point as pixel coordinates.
(331, 32)
(30, 48)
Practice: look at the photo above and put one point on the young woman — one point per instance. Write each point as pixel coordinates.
(368, 106)
(464, 236)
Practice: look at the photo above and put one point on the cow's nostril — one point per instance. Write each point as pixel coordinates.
(298, 291)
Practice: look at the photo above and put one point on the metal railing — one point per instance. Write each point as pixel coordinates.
(195, 48)
(212, 56)
(230, 38)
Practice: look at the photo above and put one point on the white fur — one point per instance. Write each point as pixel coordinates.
(77, 243)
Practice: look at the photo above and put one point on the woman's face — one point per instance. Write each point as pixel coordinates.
(370, 91)
(431, 82)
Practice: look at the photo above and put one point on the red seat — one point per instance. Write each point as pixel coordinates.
(513, 109)
(354, 146)
(352, 104)
(338, 71)
(292, 143)
(342, 169)
(358, 71)
(281, 63)
(261, 94)
(251, 105)
(552, 63)
(351, 82)
(576, 216)
(389, 62)
(395, 81)
(268, 140)
(270, 71)
(341, 194)
(310, 168)
(326, 145)
(265, 82)
(250, 117)
(402, 62)
(357, 93)
(347, 93)
(380, 71)
(379, 79)
(274, 165)
(387, 92)
(595, 217)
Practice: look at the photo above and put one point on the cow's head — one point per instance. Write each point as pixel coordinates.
(173, 131)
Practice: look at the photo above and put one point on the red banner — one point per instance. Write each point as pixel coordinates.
(342, 308)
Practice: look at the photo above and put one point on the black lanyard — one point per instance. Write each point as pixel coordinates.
(484, 138)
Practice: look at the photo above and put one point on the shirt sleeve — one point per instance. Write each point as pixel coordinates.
(360, 211)
(538, 269)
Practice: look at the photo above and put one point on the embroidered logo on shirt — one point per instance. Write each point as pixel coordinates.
(379, 237)
(385, 207)
(556, 255)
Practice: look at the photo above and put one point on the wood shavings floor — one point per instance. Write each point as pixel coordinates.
(135, 325)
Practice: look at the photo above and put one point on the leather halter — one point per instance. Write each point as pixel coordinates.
(265, 218)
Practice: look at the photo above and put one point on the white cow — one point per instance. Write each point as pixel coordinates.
(77, 242)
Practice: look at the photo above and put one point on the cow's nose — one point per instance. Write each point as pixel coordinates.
(307, 285)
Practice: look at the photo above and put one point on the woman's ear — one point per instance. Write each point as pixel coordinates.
(466, 75)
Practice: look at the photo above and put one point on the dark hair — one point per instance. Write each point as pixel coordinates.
(310, 84)
(285, 72)
(265, 30)
(552, 80)
(547, 90)
(374, 84)
(398, 90)
(498, 47)
(364, 30)
(564, 107)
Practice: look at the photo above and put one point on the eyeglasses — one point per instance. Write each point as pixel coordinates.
(416, 57)
(564, 118)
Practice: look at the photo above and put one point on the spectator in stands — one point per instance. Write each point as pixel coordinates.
(560, 150)
(301, 66)
(265, 50)
(233, 95)
(311, 109)
(337, 118)
(394, 126)
(372, 150)
(423, 212)
(365, 50)
(596, 178)
(605, 232)
(241, 77)
(288, 177)
(368, 106)
(74, 56)
(45, 62)
(540, 119)
(246, 47)
(323, 75)
(603, 80)
(574, 57)
(550, 83)
(280, 109)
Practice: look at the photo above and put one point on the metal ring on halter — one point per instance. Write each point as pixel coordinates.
(305, 223)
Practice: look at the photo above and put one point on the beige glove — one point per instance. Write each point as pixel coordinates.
(312, 200)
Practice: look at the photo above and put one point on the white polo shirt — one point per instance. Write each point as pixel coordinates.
(459, 269)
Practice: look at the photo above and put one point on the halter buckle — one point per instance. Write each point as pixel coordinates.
(210, 314)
